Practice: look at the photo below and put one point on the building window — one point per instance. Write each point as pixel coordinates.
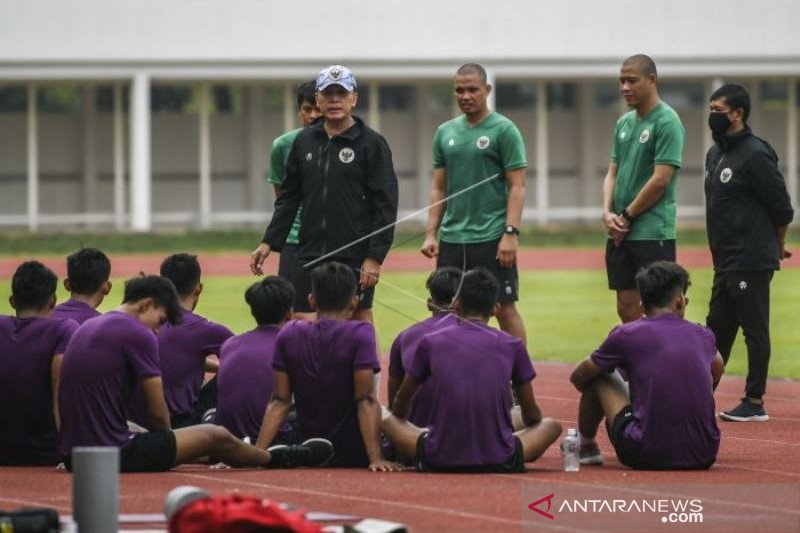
(104, 98)
(397, 97)
(440, 97)
(13, 99)
(227, 99)
(683, 95)
(62, 98)
(561, 96)
(180, 99)
(515, 96)
(774, 95)
(606, 95)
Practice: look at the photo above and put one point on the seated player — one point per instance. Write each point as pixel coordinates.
(108, 356)
(87, 281)
(442, 285)
(329, 366)
(245, 362)
(190, 349)
(468, 366)
(31, 348)
(667, 420)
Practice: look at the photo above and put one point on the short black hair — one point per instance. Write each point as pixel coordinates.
(269, 299)
(183, 270)
(660, 282)
(473, 68)
(442, 285)
(306, 92)
(33, 286)
(160, 289)
(478, 292)
(645, 63)
(735, 96)
(333, 285)
(87, 270)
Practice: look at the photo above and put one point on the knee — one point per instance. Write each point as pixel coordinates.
(552, 426)
(220, 436)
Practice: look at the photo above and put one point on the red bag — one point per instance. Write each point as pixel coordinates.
(239, 514)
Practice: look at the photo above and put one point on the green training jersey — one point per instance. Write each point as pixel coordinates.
(277, 173)
(470, 154)
(639, 145)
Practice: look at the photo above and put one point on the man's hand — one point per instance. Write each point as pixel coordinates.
(370, 273)
(385, 466)
(507, 250)
(616, 226)
(430, 248)
(783, 253)
(258, 257)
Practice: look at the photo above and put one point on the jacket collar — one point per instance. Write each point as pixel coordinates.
(726, 142)
(352, 133)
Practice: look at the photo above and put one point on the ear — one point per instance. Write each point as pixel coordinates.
(355, 98)
(144, 305)
(312, 302)
(431, 307)
(496, 310)
(12, 301)
(52, 303)
(353, 306)
(489, 88)
(457, 307)
(198, 289)
(67, 285)
(289, 314)
(106, 287)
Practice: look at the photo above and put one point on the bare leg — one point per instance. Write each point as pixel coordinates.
(207, 439)
(403, 435)
(510, 321)
(603, 397)
(628, 307)
(516, 418)
(536, 439)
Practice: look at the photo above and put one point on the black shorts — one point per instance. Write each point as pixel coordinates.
(302, 284)
(514, 464)
(481, 254)
(625, 260)
(289, 268)
(154, 451)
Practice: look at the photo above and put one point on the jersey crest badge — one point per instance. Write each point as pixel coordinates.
(726, 175)
(346, 155)
(483, 142)
(644, 137)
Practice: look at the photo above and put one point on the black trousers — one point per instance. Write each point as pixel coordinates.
(741, 299)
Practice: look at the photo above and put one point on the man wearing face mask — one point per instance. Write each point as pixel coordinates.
(748, 211)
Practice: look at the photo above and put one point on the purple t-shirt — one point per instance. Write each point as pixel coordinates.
(28, 433)
(401, 356)
(78, 311)
(469, 365)
(183, 349)
(668, 362)
(245, 381)
(320, 359)
(105, 360)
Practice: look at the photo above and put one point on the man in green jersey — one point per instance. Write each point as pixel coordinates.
(289, 266)
(639, 188)
(479, 228)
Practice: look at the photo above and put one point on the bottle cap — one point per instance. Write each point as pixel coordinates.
(572, 432)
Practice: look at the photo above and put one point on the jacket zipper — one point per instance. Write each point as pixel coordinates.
(324, 224)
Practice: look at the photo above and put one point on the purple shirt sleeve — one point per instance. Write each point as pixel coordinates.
(522, 371)
(396, 360)
(64, 333)
(421, 366)
(141, 350)
(279, 361)
(216, 334)
(610, 354)
(365, 353)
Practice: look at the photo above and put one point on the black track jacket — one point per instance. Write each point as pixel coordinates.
(348, 189)
(746, 199)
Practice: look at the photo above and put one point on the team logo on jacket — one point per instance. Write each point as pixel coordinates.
(483, 142)
(346, 155)
(451, 142)
(308, 156)
(726, 175)
(743, 285)
(644, 137)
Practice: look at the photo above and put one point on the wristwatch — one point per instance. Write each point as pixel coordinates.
(511, 230)
(624, 214)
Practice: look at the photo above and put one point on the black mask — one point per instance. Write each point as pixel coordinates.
(719, 123)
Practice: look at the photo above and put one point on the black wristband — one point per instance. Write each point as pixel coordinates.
(624, 214)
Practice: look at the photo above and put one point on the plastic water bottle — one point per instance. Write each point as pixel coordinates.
(571, 447)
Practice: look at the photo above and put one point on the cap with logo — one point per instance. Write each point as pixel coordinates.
(336, 75)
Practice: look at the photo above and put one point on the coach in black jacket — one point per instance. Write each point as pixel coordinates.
(341, 172)
(748, 211)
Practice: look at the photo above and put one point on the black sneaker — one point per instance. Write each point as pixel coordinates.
(313, 452)
(746, 411)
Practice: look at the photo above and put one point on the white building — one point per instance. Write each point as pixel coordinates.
(141, 113)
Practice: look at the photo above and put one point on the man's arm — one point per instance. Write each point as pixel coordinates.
(652, 191)
(783, 253)
(156, 405)
(402, 400)
(382, 182)
(531, 414)
(507, 248)
(55, 382)
(430, 248)
(277, 409)
(717, 369)
(585, 372)
(369, 419)
(615, 226)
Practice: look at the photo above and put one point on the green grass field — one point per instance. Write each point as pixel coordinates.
(567, 313)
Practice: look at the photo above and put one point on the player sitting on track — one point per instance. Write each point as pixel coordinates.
(442, 285)
(108, 356)
(468, 365)
(245, 362)
(187, 350)
(31, 348)
(329, 366)
(87, 281)
(667, 420)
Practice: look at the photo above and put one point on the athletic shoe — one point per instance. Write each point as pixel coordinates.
(589, 455)
(746, 411)
(313, 452)
(208, 416)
